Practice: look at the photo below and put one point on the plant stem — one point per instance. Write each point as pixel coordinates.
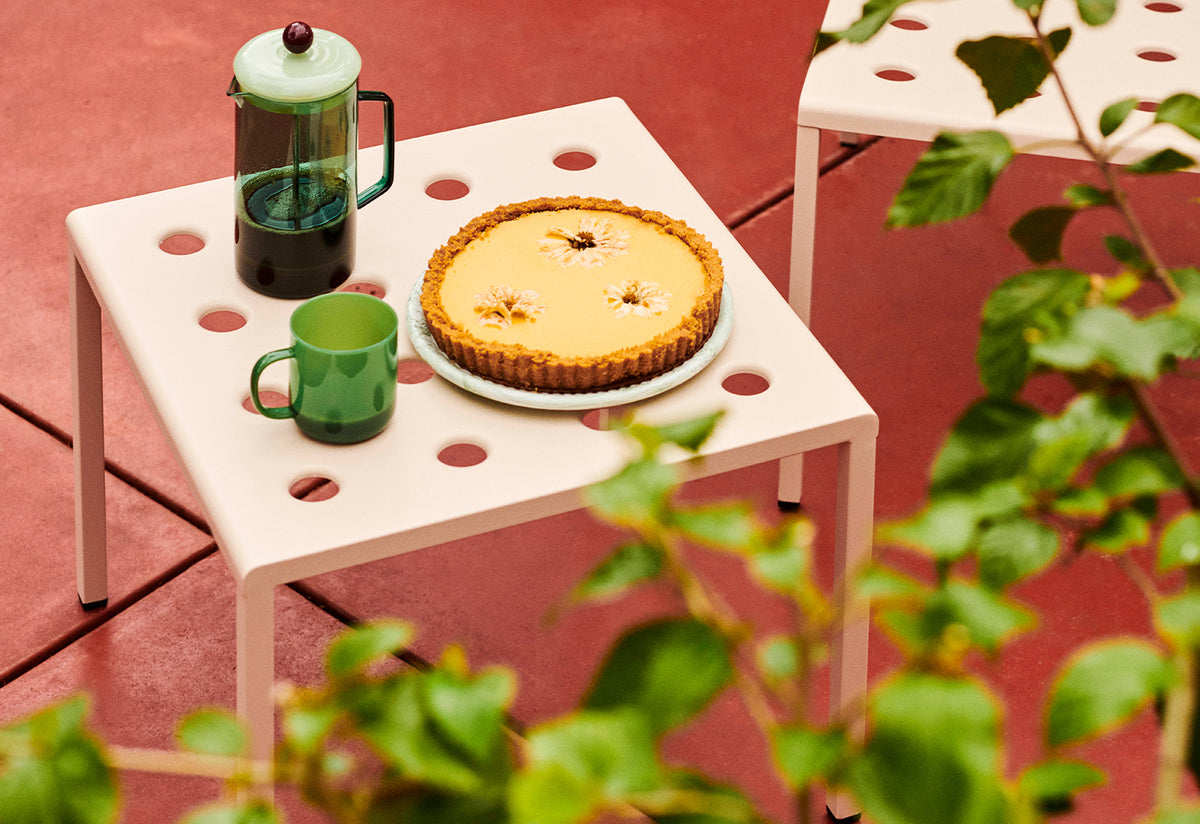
(1178, 718)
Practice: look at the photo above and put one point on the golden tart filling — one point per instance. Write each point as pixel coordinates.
(572, 294)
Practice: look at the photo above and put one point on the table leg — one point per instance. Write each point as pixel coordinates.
(852, 551)
(256, 668)
(91, 562)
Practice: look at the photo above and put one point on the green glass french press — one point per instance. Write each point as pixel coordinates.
(296, 136)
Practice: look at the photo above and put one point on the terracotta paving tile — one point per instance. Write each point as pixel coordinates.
(171, 653)
(37, 544)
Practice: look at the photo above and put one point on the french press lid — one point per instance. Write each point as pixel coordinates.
(286, 66)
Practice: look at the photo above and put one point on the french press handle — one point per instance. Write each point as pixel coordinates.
(389, 162)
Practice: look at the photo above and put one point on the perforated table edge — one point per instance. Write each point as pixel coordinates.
(393, 496)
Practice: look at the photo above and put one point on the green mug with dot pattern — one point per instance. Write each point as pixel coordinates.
(342, 383)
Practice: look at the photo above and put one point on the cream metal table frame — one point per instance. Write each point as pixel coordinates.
(906, 82)
(394, 496)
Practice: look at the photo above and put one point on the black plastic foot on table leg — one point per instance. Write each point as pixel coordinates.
(94, 605)
(850, 819)
(789, 506)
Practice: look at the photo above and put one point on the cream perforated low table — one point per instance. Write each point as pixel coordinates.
(906, 82)
(394, 495)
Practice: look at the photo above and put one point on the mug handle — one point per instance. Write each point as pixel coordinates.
(389, 162)
(278, 413)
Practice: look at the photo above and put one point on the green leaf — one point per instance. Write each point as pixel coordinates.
(933, 755)
(1081, 502)
(724, 526)
(1012, 550)
(358, 647)
(1103, 686)
(1052, 784)
(549, 795)
(1010, 68)
(1113, 116)
(1180, 543)
(952, 178)
(1179, 618)
(1161, 162)
(1182, 815)
(305, 727)
(875, 15)
(636, 496)
(1090, 424)
(1082, 195)
(1030, 303)
(669, 670)
(215, 732)
(1108, 335)
(804, 755)
(1122, 529)
(1040, 232)
(690, 434)
(63, 778)
(630, 564)
(471, 711)
(948, 525)
(252, 812)
(1124, 251)
(778, 657)
(989, 617)
(1180, 110)
(991, 441)
(609, 754)
(1142, 470)
(1096, 12)
(782, 562)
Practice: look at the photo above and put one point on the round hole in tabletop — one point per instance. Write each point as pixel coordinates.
(1147, 106)
(602, 420)
(313, 489)
(1163, 7)
(270, 398)
(1156, 54)
(909, 24)
(181, 243)
(447, 188)
(575, 160)
(745, 383)
(222, 320)
(896, 75)
(413, 370)
(462, 454)
(365, 287)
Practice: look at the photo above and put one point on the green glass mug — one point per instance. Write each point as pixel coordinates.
(342, 386)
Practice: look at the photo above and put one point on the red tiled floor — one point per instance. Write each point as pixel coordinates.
(103, 103)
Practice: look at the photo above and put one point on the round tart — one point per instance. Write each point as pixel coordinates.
(572, 294)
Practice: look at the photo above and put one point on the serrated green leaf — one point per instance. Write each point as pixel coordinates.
(991, 441)
(668, 670)
(549, 795)
(1122, 529)
(612, 754)
(1109, 335)
(215, 732)
(1032, 302)
(875, 15)
(471, 711)
(805, 755)
(1161, 162)
(728, 526)
(1178, 618)
(635, 496)
(630, 564)
(1142, 470)
(1101, 687)
(1012, 550)
(1040, 232)
(1082, 195)
(1096, 12)
(989, 617)
(358, 647)
(690, 434)
(1090, 424)
(1113, 116)
(1179, 545)
(933, 755)
(1010, 68)
(1051, 784)
(952, 178)
(947, 527)
(1182, 111)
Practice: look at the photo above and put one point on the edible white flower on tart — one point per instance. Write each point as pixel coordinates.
(590, 245)
(500, 304)
(642, 298)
